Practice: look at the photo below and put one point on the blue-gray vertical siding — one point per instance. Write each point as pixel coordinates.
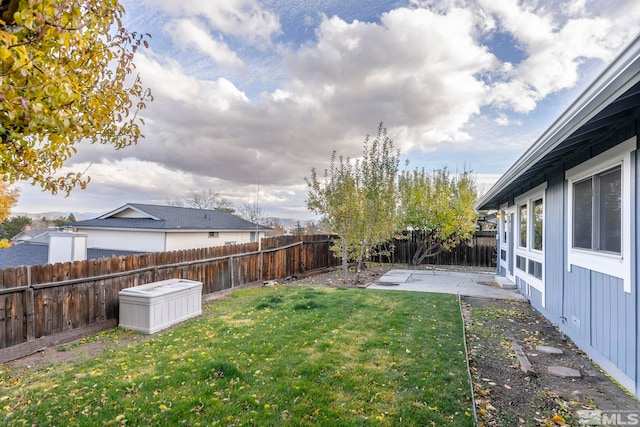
(554, 244)
(598, 313)
(590, 307)
(534, 296)
(635, 272)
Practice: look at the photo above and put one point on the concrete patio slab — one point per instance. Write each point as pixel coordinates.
(447, 282)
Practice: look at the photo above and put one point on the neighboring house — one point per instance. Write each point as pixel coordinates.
(27, 235)
(153, 228)
(36, 252)
(569, 236)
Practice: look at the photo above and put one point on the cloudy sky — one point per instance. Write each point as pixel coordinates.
(251, 94)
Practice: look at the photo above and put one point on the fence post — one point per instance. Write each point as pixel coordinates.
(28, 305)
(231, 273)
(300, 254)
(102, 303)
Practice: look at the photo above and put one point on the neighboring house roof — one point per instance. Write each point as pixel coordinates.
(29, 253)
(610, 101)
(27, 235)
(168, 218)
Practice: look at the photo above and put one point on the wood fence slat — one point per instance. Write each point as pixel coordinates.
(55, 300)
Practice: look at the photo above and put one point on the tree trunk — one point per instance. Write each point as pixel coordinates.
(345, 263)
(424, 252)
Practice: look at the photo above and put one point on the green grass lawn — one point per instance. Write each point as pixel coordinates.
(288, 355)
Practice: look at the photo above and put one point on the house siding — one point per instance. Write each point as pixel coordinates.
(591, 307)
(600, 305)
(178, 240)
(554, 242)
(598, 313)
(533, 295)
(502, 271)
(143, 241)
(592, 296)
(635, 273)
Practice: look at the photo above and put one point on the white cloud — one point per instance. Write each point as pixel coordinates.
(575, 7)
(243, 18)
(555, 47)
(502, 120)
(410, 71)
(407, 71)
(484, 182)
(190, 32)
(428, 71)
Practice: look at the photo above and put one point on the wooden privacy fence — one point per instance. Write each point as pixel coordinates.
(481, 253)
(43, 305)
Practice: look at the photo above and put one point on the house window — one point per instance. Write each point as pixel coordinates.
(538, 215)
(600, 212)
(597, 207)
(529, 256)
(522, 220)
(214, 234)
(535, 269)
(531, 222)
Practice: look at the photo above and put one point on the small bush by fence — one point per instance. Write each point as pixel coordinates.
(52, 300)
(481, 253)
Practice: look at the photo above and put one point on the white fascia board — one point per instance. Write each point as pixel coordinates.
(169, 230)
(124, 208)
(617, 78)
(156, 230)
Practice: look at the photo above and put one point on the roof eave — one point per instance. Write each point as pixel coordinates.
(125, 207)
(617, 78)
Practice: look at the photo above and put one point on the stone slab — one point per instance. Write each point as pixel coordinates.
(562, 371)
(549, 349)
(504, 283)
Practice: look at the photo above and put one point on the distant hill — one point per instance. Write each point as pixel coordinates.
(291, 222)
(53, 215)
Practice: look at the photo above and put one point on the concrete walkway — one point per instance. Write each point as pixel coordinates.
(448, 282)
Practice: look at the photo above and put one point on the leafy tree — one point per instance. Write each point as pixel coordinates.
(8, 199)
(378, 174)
(438, 209)
(336, 199)
(66, 75)
(357, 199)
(14, 225)
(61, 220)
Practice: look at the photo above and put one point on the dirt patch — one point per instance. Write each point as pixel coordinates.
(505, 395)
(79, 350)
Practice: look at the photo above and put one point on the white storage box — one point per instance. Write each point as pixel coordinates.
(155, 306)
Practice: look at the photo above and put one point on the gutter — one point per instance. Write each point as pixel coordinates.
(617, 78)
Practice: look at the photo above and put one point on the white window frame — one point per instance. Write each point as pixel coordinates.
(528, 253)
(616, 265)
